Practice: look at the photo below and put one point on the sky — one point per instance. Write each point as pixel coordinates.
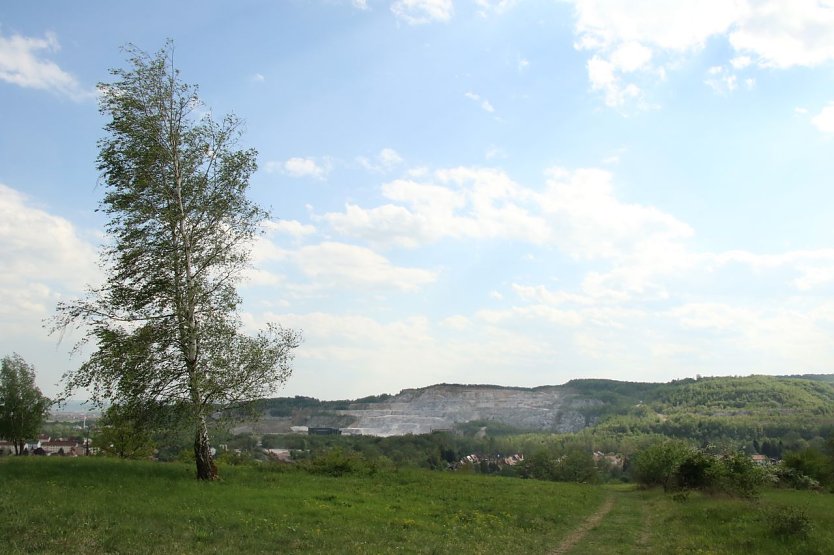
(503, 192)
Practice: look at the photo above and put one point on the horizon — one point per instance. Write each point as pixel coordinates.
(487, 385)
(503, 192)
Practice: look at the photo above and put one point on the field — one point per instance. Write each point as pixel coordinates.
(106, 505)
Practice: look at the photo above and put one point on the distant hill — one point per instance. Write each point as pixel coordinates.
(703, 409)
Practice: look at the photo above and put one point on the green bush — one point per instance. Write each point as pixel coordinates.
(737, 475)
(789, 522)
(338, 462)
(793, 478)
(658, 465)
(812, 463)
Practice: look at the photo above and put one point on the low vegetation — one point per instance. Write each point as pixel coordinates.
(98, 504)
(108, 505)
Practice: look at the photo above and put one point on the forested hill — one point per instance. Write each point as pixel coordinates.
(705, 409)
(711, 409)
(715, 396)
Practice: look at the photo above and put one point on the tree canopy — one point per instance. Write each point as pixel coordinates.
(165, 322)
(22, 406)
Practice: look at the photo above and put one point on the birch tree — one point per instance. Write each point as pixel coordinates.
(165, 324)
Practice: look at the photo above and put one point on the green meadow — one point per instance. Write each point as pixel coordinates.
(99, 505)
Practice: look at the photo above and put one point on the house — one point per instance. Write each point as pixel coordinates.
(614, 460)
(58, 446)
(762, 460)
(31, 445)
(282, 455)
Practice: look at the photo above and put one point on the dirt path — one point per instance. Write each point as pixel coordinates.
(645, 530)
(590, 523)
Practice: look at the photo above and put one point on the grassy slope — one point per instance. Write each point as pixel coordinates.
(651, 522)
(100, 505)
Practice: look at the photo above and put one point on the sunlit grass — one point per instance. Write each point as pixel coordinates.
(103, 505)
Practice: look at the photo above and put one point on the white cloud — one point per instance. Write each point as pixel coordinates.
(351, 355)
(638, 297)
(493, 152)
(591, 222)
(386, 160)
(645, 39)
(293, 228)
(741, 62)
(360, 4)
(720, 81)
(485, 105)
(38, 246)
(494, 7)
(342, 265)
(631, 56)
(577, 212)
(457, 202)
(43, 258)
(682, 25)
(457, 322)
(824, 120)
(603, 78)
(301, 167)
(22, 63)
(786, 33)
(258, 78)
(418, 12)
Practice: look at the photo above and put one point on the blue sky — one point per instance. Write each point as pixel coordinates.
(465, 191)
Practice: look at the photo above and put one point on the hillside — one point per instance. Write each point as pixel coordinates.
(706, 408)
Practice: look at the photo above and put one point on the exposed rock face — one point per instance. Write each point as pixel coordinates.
(419, 411)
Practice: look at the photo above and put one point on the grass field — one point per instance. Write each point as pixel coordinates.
(105, 505)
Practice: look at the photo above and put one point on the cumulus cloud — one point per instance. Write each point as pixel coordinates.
(635, 43)
(638, 296)
(824, 120)
(418, 12)
(301, 167)
(782, 34)
(487, 8)
(24, 62)
(386, 160)
(293, 228)
(352, 355)
(485, 104)
(44, 257)
(456, 202)
(342, 265)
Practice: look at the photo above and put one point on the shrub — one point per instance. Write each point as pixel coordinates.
(789, 522)
(696, 471)
(793, 478)
(658, 464)
(812, 463)
(737, 475)
(338, 462)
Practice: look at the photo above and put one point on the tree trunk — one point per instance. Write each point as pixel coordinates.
(202, 453)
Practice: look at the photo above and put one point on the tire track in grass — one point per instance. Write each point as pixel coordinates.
(589, 524)
(645, 529)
